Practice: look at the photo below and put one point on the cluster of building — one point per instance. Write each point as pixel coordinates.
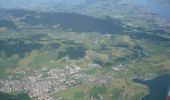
(40, 87)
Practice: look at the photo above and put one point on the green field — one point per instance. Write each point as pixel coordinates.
(124, 42)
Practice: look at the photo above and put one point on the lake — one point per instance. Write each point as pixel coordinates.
(158, 7)
(158, 87)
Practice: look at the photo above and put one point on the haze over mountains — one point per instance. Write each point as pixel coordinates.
(32, 4)
(23, 3)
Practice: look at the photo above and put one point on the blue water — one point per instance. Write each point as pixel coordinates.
(158, 7)
(158, 87)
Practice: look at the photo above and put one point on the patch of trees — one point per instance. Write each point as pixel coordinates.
(14, 46)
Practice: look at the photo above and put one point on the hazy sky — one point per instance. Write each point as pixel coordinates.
(22, 3)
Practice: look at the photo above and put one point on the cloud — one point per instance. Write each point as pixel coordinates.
(165, 2)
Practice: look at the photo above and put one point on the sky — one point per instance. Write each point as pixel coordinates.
(19, 3)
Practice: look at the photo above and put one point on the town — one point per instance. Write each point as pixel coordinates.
(40, 87)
